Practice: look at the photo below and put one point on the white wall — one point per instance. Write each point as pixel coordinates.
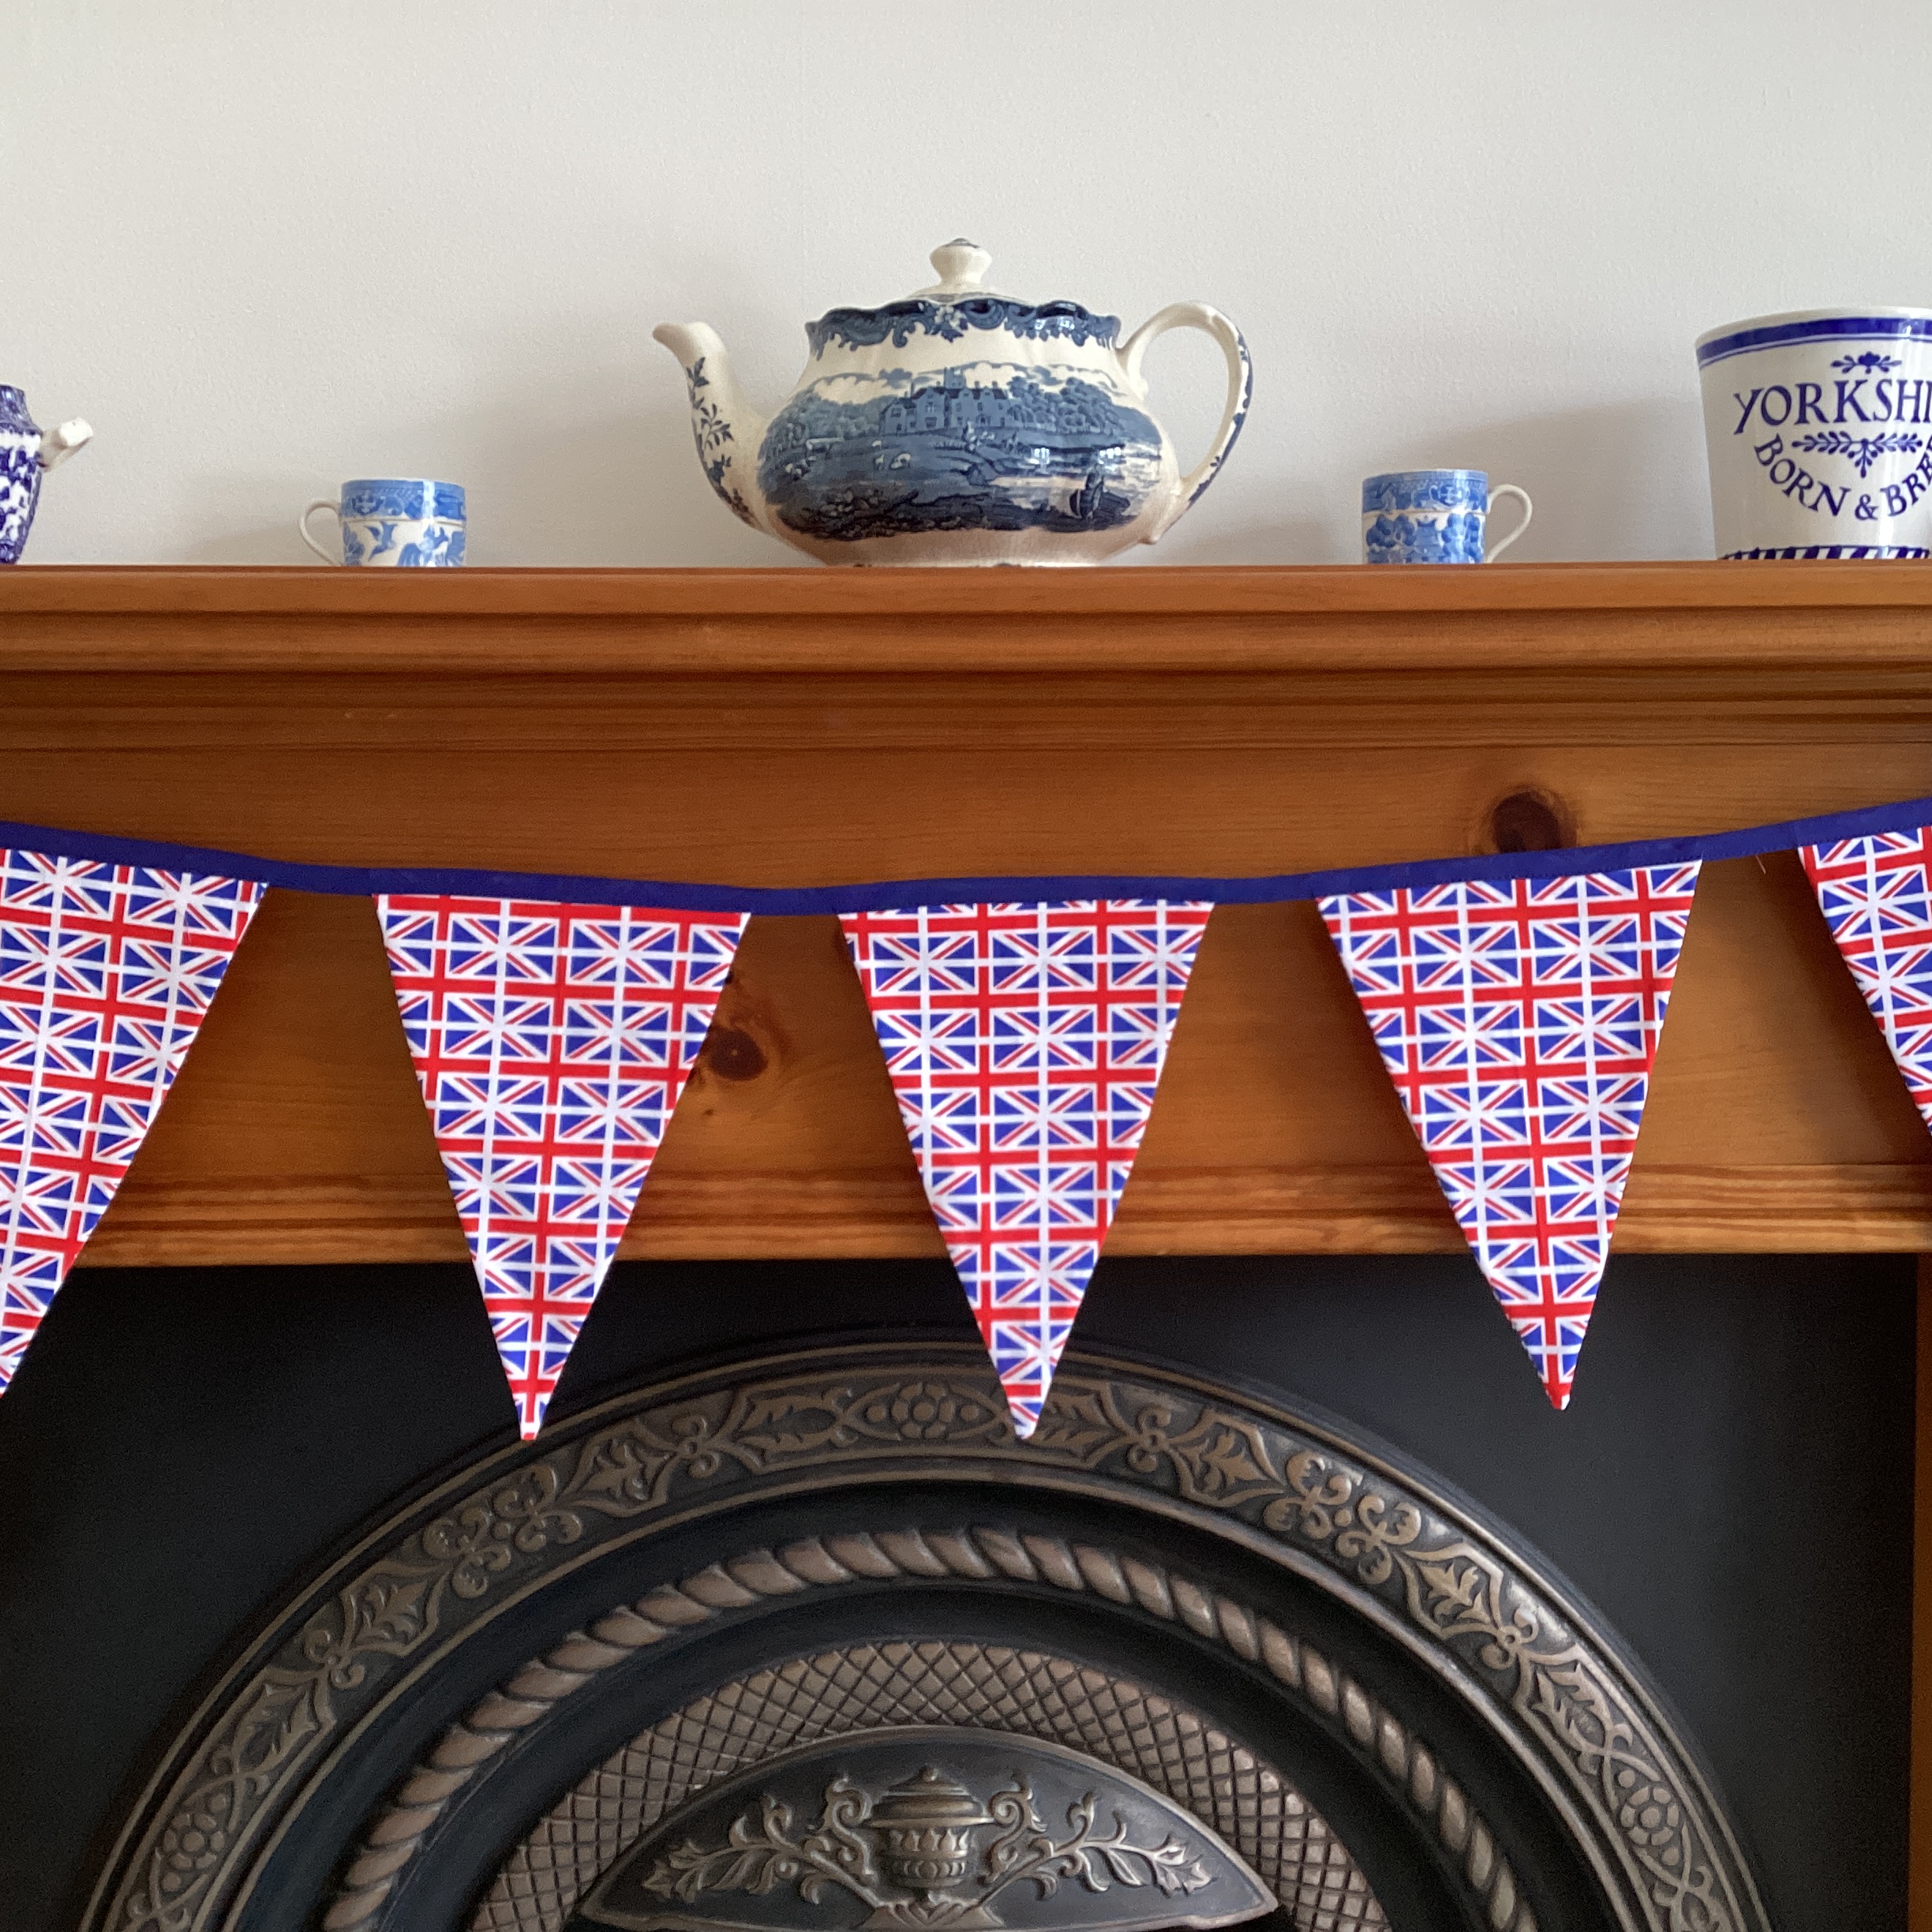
(268, 244)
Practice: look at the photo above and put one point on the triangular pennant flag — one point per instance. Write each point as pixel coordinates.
(1519, 1019)
(105, 973)
(553, 1042)
(1024, 1043)
(1878, 902)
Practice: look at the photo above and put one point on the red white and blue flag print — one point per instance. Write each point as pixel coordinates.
(553, 1042)
(1519, 1019)
(1024, 1043)
(1877, 899)
(106, 971)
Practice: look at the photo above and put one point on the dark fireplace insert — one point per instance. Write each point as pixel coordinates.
(809, 1640)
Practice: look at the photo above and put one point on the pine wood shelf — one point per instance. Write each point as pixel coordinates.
(811, 726)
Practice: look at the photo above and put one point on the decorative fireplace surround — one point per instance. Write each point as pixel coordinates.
(786, 727)
(1381, 1707)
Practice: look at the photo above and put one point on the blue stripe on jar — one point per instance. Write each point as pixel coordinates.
(1842, 328)
(1843, 551)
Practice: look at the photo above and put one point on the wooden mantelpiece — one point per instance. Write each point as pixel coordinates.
(811, 726)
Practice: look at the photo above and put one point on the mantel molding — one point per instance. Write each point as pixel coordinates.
(808, 726)
(1662, 617)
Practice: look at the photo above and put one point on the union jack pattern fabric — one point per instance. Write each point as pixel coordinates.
(1024, 1043)
(553, 1042)
(1519, 1019)
(1877, 900)
(105, 973)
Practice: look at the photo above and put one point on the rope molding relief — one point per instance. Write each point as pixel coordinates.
(1526, 1664)
(826, 1703)
(978, 1555)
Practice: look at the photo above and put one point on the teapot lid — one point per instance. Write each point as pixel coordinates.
(958, 301)
(962, 266)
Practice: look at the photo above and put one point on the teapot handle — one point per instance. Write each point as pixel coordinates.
(1240, 386)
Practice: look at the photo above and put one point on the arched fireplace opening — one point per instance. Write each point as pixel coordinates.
(722, 1600)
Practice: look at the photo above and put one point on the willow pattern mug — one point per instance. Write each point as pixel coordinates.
(398, 523)
(1433, 516)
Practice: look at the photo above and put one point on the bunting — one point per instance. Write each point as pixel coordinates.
(554, 1023)
(106, 971)
(1024, 1043)
(553, 1042)
(1519, 1019)
(1876, 899)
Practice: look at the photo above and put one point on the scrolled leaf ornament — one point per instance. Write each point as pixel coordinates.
(913, 1855)
(1378, 1532)
(1313, 1494)
(758, 1855)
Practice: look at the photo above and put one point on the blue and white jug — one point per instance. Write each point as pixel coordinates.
(958, 426)
(25, 456)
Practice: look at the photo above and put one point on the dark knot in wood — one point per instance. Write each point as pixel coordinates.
(733, 1054)
(1528, 821)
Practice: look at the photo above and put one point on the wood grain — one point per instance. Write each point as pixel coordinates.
(1564, 617)
(795, 728)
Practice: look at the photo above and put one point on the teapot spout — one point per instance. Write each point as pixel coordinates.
(726, 429)
(59, 444)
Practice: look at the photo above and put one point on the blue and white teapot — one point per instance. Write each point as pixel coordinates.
(958, 426)
(26, 454)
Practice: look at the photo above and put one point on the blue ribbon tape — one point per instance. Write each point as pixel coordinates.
(883, 895)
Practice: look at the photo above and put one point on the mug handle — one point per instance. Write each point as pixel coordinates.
(1240, 386)
(325, 503)
(1509, 489)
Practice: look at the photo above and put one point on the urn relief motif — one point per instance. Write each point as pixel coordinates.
(958, 426)
(1007, 1834)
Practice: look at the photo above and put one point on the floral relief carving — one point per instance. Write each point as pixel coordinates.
(1454, 1587)
(623, 1471)
(925, 1880)
(1457, 1590)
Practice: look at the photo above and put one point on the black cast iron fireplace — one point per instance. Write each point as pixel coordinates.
(808, 1640)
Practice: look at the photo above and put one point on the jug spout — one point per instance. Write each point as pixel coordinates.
(59, 444)
(727, 431)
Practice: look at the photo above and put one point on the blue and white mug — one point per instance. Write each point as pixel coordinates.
(1818, 425)
(399, 522)
(1433, 516)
